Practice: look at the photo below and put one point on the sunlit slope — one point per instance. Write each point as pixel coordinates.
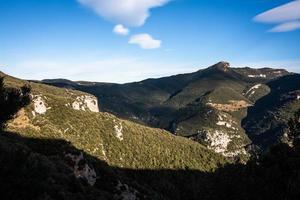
(71, 115)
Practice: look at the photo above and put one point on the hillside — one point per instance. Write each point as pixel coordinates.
(207, 106)
(64, 127)
(267, 121)
(58, 146)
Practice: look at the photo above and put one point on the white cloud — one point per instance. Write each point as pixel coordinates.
(285, 27)
(286, 12)
(127, 12)
(145, 41)
(120, 30)
(286, 16)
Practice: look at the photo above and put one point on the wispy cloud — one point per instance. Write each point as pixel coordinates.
(120, 30)
(145, 41)
(286, 27)
(127, 12)
(286, 16)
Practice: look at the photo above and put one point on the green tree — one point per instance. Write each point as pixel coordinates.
(11, 100)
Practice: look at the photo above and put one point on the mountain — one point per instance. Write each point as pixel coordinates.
(61, 132)
(267, 121)
(207, 106)
(55, 144)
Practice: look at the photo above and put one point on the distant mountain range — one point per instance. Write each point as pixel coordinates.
(226, 109)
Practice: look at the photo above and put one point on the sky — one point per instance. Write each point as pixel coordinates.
(130, 40)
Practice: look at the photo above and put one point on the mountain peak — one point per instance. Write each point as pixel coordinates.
(223, 66)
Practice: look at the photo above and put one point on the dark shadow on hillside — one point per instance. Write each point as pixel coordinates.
(33, 168)
(262, 124)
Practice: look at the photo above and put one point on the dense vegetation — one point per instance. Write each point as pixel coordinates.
(11, 100)
(267, 121)
(171, 94)
(63, 130)
(205, 105)
(33, 164)
(276, 175)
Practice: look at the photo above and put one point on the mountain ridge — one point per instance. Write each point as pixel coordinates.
(204, 105)
(219, 65)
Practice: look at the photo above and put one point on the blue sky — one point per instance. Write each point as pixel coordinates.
(130, 40)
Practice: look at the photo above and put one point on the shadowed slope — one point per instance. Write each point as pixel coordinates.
(266, 122)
